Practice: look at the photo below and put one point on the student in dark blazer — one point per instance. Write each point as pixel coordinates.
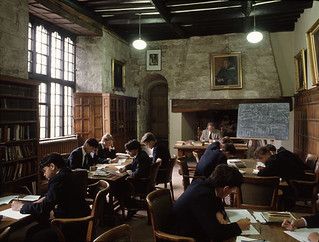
(63, 198)
(106, 152)
(81, 157)
(198, 212)
(159, 151)
(307, 221)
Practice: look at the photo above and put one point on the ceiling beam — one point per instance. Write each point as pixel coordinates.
(166, 15)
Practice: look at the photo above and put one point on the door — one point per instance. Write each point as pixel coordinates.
(159, 112)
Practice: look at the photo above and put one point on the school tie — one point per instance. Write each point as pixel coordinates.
(210, 135)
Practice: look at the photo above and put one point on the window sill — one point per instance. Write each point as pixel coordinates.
(58, 139)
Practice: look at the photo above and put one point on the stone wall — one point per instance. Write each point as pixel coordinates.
(14, 17)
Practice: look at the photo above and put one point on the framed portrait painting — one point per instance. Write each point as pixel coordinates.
(153, 60)
(118, 75)
(226, 71)
(300, 70)
(313, 46)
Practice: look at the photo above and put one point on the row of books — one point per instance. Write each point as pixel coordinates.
(17, 90)
(7, 103)
(16, 171)
(16, 152)
(16, 132)
(18, 116)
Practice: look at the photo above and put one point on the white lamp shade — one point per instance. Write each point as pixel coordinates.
(254, 37)
(139, 44)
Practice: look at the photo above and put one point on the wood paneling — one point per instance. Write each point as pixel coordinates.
(306, 125)
(61, 146)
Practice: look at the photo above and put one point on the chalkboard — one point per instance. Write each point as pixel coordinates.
(263, 120)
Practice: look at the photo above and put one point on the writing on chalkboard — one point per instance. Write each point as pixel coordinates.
(263, 120)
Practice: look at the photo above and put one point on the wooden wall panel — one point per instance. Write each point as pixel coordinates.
(60, 146)
(306, 125)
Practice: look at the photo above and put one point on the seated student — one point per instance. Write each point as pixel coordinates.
(106, 152)
(159, 151)
(307, 221)
(81, 157)
(198, 211)
(212, 157)
(210, 133)
(62, 198)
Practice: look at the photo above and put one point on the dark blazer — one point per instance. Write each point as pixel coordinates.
(140, 166)
(284, 164)
(161, 151)
(103, 154)
(62, 197)
(194, 215)
(212, 157)
(312, 221)
(76, 157)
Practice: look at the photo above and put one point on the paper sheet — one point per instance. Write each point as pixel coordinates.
(259, 217)
(301, 234)
(7, 199)
(250, 231)
(235, 214)
(30, 198)
(246, 239)
(13, 214)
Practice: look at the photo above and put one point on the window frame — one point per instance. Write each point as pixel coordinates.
(47, 79)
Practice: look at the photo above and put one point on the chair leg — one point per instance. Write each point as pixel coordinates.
(172, 190)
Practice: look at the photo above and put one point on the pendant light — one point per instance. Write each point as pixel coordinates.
(254, 36)
(139, 44)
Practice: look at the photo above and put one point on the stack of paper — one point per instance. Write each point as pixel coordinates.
(13, 214)
(277, 216)
(301, 234)
(7, 199)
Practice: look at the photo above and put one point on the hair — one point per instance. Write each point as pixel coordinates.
(261, 151)
(211, 124)
(147, 137)
(271, 148)
(92, 142)
(230, 148)
(224, 175)
(107, 137)
(226, 140)
(133, 145)
(54, 158)
(215, 145)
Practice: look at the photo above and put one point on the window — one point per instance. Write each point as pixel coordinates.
(51, 59)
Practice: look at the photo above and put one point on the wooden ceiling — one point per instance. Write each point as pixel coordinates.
(171, 19)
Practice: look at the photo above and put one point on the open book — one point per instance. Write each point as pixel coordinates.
(277, 216)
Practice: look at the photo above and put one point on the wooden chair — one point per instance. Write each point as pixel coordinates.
(166, 175)
(80, 177)
(195, 154)
(160, 204)
(185, 172)
(4, 236)
(259, 193)
(121, 233)
(310, 162)
(90, 220)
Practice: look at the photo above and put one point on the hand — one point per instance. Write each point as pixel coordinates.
(292, 225)
(244, 224)
(220, 218)
(115, 160)
(16, 205)
(313, 237)
(40, 200)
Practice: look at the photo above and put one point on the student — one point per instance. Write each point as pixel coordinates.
(63, 198)
(159, 151)
(106, 152)
(210, 133)
(197, 212)
(83, 157)
(307, 221)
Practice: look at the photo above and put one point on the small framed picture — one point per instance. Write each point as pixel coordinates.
(118, 75)
(301, 74)
(226, 71)
(153, 60)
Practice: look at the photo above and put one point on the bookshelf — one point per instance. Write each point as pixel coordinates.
(19, 139)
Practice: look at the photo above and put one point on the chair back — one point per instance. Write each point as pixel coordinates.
(4, 236)
(184, 171)
(80, 178)
(121, 233)
(258, 193)
(195, 154)
(311, 161)
(165, 175)
(153, 174)
(160, 204)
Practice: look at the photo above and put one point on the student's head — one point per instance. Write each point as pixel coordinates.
(90, 145)
(51, 164)
(210, 126)
(107, 140)
(149, 140)
(215, 145)
(262, 154)
(132, 147)
(226, 140)
(229, 150)
(225, 180)
(271, 148)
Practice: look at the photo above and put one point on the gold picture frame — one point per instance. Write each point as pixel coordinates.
(118, 75)
(226, 72)
(300, 70)
(313, 46)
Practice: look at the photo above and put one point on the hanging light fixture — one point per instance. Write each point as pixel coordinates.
(254, 36)
(139, 44)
